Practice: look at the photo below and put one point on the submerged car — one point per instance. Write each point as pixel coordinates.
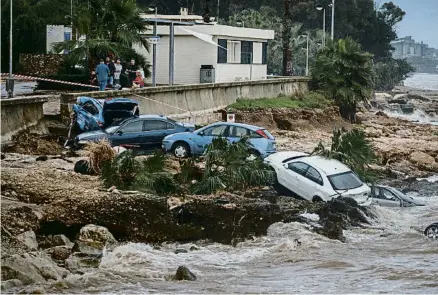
(182, 145)
(316, 178)
(144, 132)
(432, 231)
(391, 197)
(91, 114)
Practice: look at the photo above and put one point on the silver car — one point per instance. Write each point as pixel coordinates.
(391, 197)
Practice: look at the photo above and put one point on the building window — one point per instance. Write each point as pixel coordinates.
(222, 51)
(233, 51)
(246, 55)
(265, 53)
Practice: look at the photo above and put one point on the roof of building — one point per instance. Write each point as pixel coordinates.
(219, 30)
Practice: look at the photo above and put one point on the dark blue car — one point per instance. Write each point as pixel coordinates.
(144, 132)
(93, 114)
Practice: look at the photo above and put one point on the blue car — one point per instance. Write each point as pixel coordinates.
(144, 132)
(93, 114)
(182, 145)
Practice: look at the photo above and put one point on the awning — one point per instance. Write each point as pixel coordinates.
(204, 37)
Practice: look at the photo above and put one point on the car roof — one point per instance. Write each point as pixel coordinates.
(329, 166)
(251, 127)
(152, 117)
(284, 157)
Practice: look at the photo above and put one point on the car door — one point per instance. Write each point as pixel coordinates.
(294, 175)
(206, 136)
(154, 132)
(386, 198)
(312, 184)
(129, 135)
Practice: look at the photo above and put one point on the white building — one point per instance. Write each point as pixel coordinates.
(226, 50)
(55, 34)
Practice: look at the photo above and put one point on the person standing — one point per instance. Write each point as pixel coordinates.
(118, 71)
(112, 69)
(102, 72)
(131, 70)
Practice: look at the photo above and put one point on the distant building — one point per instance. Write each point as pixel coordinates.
(407, 47)
(56, 34)
(208, 52)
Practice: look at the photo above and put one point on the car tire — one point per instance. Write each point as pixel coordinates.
(254, 154)
(181, 150)
(317, 199)
(431, 232)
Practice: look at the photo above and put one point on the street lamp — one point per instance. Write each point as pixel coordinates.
(10, 81)
(333, 19)
(319, 7)
(154, 48)
(240, 23)
(307, 53)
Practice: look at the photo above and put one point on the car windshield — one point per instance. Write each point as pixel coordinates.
(345, 181)
(401, 195)
(111, 129)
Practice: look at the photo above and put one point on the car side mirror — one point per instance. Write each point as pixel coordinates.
(201, 133)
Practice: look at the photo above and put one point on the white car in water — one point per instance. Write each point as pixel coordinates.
(315, 178)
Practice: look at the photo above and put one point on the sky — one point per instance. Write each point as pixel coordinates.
(420, 21)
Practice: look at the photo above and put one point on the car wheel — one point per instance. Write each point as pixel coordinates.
(316, 199)
(253, 154)
(432, 232)
(181, 150)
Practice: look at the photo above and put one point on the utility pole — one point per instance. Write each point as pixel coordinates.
(217, 11)
(154, 54)
(10, 81)
(287, 56)
(333, 20)
(171, 52)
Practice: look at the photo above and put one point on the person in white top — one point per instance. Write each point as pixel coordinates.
(117, 73)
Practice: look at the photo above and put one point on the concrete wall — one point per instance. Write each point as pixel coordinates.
(195, 103)
(18, 114)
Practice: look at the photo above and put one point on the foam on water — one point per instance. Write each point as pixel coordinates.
(418, 116)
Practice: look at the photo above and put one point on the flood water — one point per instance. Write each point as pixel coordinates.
(391, 255)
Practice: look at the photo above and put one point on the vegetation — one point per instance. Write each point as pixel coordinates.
(390, 73)
(351, 148)
(225, 167)
(311, 100)
(98, 153)
(345, 73)
(109, 27)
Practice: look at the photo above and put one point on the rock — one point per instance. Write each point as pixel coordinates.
(51, 241)
(93, 239)
(28, 239)
(78, 261)
(83, 167)
(3, 156)
(11, 284)
(184, 274)
(32, 290)
(35, 267)
(177, 251)
(382, 114)
(59, 252)
(42, 158)
(96, 233)
(372, 132)
(194, 248)
(422, 160)
(404, 133)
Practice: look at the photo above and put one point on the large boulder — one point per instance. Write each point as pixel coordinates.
(28, 239)
(423, 161)
(184, 274)
(29, 268)
(50, 241)
(93, 239)
(79, 262)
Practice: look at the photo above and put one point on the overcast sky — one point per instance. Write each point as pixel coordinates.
(420, 21)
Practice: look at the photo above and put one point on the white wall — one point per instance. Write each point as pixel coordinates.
(239, 72)
(190, 54)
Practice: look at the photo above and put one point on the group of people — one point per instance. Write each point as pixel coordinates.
(109, 72)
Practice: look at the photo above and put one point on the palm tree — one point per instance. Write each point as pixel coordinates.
(351, 148)
(106, 27)
(345, 73)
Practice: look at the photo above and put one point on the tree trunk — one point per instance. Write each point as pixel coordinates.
(287, 26)
(348, 112)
